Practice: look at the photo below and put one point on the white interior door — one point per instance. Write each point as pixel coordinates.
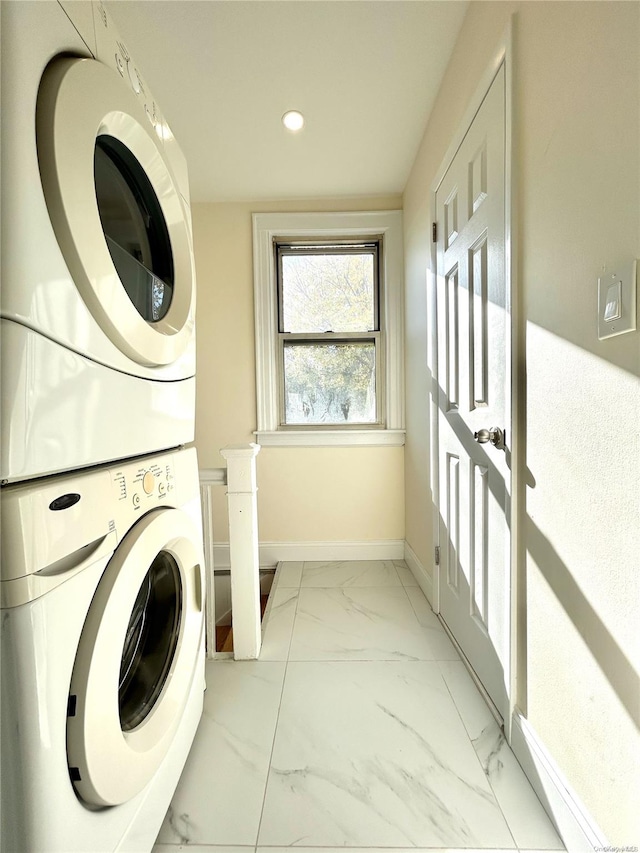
(473, 360)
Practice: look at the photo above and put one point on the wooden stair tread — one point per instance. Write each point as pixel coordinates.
(224, 633)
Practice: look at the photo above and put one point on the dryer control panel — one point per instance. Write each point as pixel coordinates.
(112, 50)
(96, 27)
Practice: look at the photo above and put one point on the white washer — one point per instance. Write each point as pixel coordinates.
(102, 653)
(98, 298)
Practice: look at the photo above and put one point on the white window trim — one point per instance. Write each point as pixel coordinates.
(270, 226)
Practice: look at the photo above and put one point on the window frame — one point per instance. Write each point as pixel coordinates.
(272, 228)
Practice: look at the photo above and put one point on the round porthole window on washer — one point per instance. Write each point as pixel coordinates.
(140, 650)
(150, 641)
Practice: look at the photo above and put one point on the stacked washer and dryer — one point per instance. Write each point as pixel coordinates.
(102, 581)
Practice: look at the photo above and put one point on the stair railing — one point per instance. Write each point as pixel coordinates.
(240, 478)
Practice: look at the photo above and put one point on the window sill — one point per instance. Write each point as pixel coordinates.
(331, 438)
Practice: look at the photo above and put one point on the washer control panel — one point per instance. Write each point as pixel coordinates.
(143, 485)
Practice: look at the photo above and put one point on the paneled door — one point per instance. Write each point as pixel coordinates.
(473, 370)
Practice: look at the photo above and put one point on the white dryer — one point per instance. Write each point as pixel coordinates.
(102, 592)
(98, 283)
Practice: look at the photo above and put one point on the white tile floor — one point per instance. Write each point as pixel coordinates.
(359, 727)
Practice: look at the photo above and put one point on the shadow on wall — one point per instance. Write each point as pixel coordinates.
(616, 667)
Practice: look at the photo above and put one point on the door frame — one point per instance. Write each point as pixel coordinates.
(515, 373)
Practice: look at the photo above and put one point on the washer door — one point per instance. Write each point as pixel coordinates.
(136, 660)
(116, 211)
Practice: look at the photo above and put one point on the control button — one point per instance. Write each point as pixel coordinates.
(136, 500)
(161, 488)
(151, 117)
(133, 78)
(119, 64)
(148, 483)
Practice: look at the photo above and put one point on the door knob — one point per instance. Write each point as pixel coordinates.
(494, 436)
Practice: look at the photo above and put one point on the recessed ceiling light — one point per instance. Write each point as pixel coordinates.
(293, 120)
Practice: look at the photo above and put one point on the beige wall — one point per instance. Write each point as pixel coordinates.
(577, 123)
(305, 494)
(577, 159)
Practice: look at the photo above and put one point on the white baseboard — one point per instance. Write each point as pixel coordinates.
(272, 553)
(576, 827)
(425, 581)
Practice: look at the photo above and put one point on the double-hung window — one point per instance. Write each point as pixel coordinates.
(329, 349)
(330, 355)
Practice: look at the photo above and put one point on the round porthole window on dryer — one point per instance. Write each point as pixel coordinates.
(116, 211)
(134, 228)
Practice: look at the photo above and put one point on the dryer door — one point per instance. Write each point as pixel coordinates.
(116, 210)
(139, 652)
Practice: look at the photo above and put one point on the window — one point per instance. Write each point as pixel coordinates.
(328, 299)
(328, 333)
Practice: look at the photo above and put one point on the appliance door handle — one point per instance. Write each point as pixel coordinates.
(77, 560)
(19, 591)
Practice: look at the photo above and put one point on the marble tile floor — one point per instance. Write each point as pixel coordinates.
(358, 728)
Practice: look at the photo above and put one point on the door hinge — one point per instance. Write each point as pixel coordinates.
(434, 232)
(437, 550)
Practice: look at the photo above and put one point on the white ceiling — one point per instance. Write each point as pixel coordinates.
(364, 73)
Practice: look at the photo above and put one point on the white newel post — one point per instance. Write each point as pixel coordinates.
(243, 549)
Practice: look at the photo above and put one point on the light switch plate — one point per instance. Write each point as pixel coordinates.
(617, 300)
